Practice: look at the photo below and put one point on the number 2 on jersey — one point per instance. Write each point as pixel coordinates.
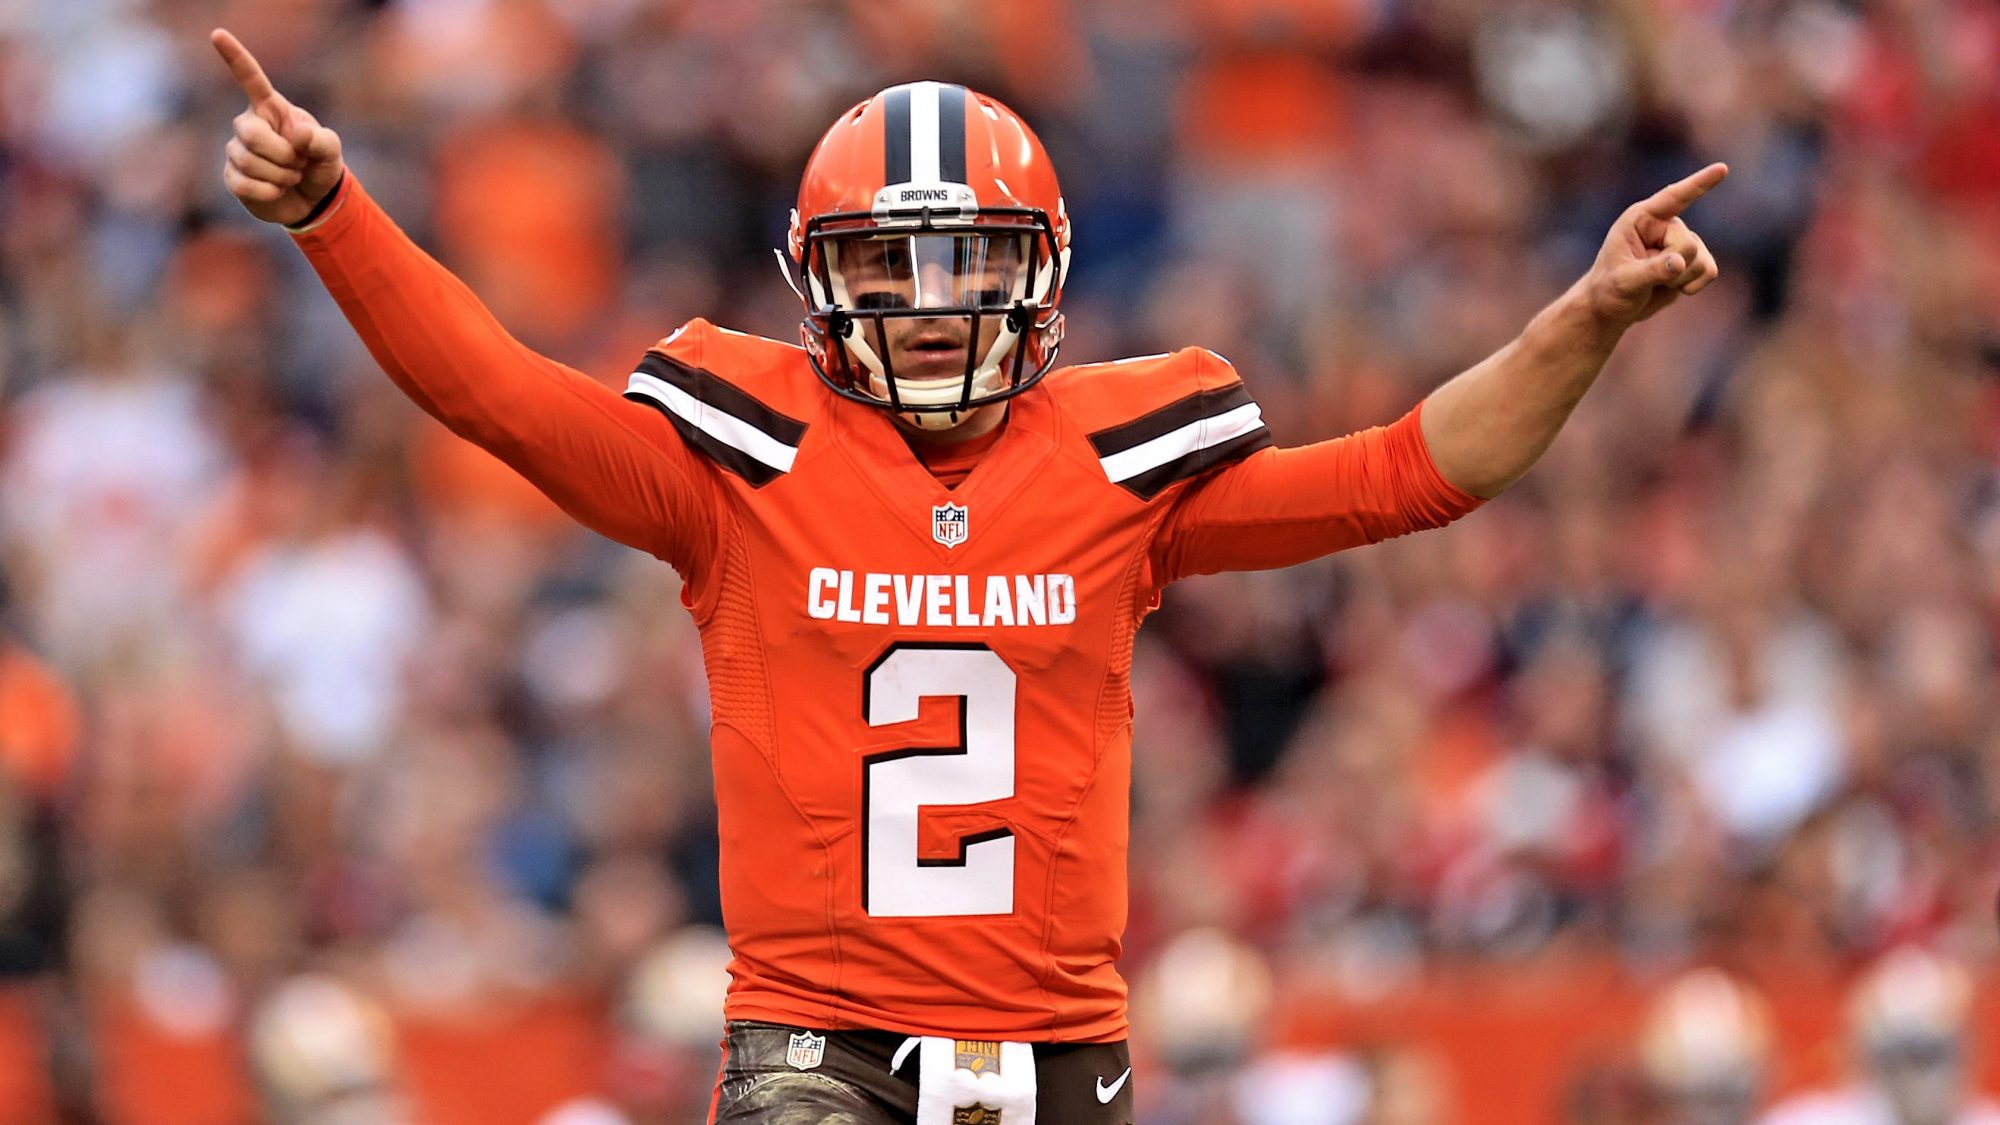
(898, 784)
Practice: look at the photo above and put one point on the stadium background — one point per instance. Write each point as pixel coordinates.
(335, 761)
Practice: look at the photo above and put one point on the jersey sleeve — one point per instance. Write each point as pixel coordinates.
(615, 466)
(1280, 507)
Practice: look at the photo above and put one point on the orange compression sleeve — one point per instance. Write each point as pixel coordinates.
(1280, 507)
(614, 465)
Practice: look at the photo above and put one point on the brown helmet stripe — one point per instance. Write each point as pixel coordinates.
(951, 134)
(896, 135)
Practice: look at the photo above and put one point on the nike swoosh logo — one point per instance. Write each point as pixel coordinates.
(1106, 1093)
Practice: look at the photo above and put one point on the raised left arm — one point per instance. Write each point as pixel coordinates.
(1486, 426)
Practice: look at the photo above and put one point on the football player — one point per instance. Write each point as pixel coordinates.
(1705, 1049)
(917, 552)
(1910, 1022)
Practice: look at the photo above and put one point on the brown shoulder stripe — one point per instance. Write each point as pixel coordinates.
(721, 420)
(1183, 439)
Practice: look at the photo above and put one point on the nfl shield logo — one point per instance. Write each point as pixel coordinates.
(948, 524)
(805, 1050)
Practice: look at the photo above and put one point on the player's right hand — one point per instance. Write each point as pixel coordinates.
(281, 162)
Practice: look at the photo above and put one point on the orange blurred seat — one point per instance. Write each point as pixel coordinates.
(26, 1095)
(503, 1067)
(149, 1074)
(38, 724)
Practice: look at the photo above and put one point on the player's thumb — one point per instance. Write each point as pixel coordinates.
(1639, 276)
(322, 146)
(299, 129)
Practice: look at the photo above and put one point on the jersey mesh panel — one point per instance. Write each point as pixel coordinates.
(1113, 710)
(1113, 706)
(739, 685)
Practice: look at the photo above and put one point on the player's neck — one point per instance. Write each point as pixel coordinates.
(952, 460)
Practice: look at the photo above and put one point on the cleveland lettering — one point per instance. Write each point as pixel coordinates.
(950, 601)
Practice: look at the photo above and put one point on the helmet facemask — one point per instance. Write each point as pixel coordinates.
(973, 292)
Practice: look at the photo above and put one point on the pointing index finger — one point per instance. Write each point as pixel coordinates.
(1670, 201)
(243, 67)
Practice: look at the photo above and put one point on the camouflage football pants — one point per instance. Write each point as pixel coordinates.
(1075, 1084)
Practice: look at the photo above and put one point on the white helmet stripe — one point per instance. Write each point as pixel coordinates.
(924, 133)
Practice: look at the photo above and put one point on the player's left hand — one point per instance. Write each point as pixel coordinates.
(1651, 257)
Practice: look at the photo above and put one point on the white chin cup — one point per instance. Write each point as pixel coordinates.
(944, 391)
(938, 420)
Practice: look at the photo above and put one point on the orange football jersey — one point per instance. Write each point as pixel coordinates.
(921, 706)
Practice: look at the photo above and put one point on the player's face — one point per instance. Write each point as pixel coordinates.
(939, 271)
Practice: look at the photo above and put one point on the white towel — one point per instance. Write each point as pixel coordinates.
(960, 1074)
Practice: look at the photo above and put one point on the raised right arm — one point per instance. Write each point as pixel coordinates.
(614, 465)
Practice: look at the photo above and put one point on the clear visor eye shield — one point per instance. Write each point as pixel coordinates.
(959, 280)
(894, 272)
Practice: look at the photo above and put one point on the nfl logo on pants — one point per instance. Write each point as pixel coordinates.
(804, 1050)
(948, 524)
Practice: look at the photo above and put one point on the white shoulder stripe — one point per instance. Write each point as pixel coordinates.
(725, 428)
(1202, 433)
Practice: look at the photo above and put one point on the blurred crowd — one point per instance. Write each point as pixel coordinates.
(343, 780)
